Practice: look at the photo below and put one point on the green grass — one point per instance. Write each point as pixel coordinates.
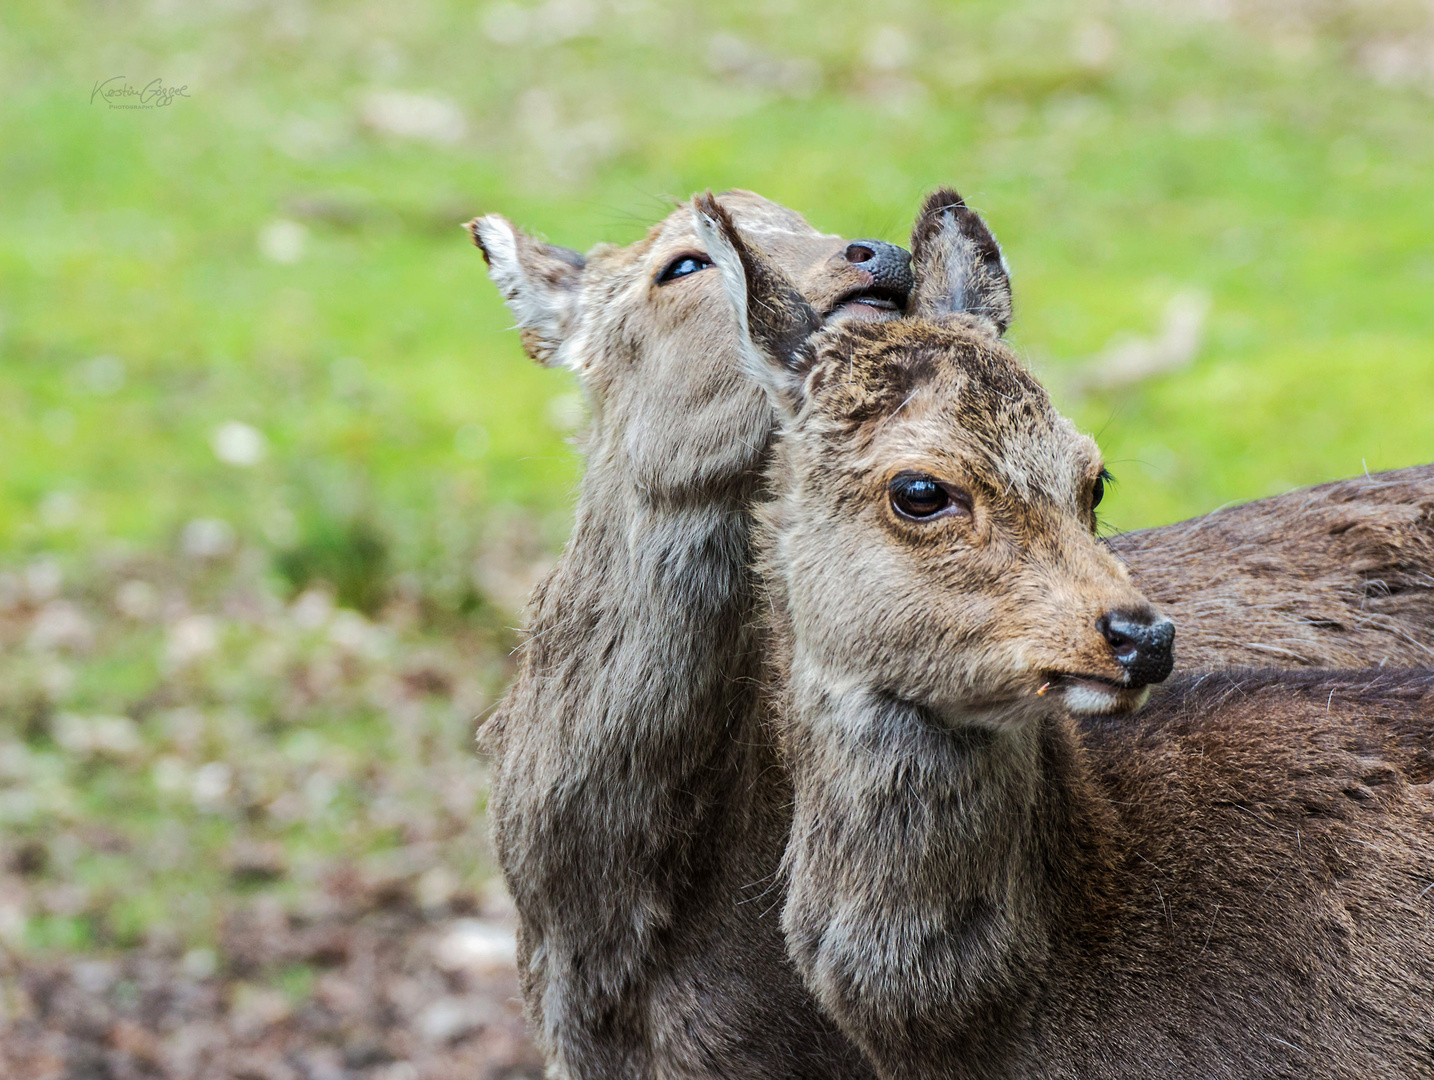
(1121, 155)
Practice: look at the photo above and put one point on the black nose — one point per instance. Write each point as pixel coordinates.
(1143, 644)
(888, 264)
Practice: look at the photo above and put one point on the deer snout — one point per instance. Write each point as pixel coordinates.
(888, 265)
(1143, 643)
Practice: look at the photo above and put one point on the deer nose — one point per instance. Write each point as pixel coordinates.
(888, 264)
(1143, 644)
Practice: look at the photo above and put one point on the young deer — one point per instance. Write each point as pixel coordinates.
(992, 870)
(637, 846)
(636, 807)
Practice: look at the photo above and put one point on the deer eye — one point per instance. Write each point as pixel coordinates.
(1097, 492)
(920, 497)
(683, 265)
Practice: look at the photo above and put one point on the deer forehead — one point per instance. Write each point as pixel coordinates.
(782, 233)
(896, 396)
(761, 217)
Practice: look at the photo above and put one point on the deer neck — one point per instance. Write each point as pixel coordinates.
(924, 868)
(626, 780)
(645, 618)
(638, 679)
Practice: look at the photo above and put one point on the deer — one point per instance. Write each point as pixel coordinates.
(635, 804)
(638, 805)
(998, 865)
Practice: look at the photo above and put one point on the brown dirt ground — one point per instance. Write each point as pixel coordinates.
(395, 994)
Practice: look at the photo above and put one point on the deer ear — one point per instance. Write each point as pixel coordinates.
(538, 281)
(958, 265)
(774, 320)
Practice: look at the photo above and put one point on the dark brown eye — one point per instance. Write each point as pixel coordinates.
(921, 497)
(1097, 492)
(683, 265)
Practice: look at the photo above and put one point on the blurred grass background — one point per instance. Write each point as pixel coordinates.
(276, 476)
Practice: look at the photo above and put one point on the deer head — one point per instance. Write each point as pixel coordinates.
(933, 536)
(653, 343)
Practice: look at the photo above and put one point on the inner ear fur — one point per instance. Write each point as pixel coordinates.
(957, 264)
(539, 282)
(775, 321)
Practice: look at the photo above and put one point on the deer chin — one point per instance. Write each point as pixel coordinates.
(1092, 695)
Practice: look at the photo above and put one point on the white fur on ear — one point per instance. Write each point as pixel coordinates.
(959, 267)
(961, 260)
(498, 241)
(539, 282)
(724, 256)
(782, 386)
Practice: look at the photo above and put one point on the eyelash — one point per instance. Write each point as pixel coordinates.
(1098, 488)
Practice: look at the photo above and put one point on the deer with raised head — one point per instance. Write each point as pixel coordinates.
(636, 807)
(994, 870)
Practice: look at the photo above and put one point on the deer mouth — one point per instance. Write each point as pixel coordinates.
(871, 303)
(1094, 694)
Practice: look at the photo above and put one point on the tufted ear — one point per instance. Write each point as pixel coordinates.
(775, 320)
(958, 265)
(539, 282)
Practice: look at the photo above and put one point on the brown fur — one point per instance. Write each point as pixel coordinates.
(1340, 575)
(992, 871)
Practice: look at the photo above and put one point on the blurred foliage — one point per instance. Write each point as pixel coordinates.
(169, 742)
(350, 556)
(280, 248)
(250, 363)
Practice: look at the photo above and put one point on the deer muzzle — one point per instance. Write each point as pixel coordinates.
(1142, 642)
